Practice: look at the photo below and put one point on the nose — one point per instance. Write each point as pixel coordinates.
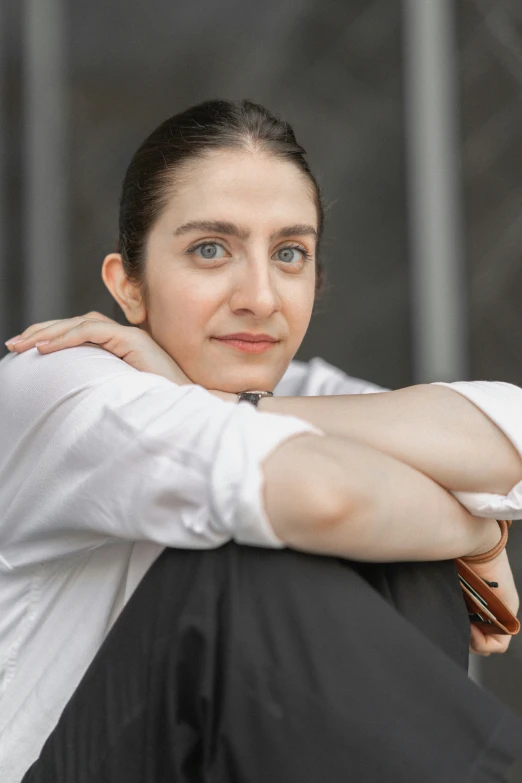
(255, 292)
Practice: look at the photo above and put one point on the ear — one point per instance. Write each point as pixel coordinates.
(126, 293)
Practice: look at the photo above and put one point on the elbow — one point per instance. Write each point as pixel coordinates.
(325, 511)
(314, 507)
(332, 524)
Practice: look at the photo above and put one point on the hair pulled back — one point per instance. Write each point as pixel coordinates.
(211, 125)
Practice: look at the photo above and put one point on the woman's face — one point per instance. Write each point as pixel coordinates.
(230, 270)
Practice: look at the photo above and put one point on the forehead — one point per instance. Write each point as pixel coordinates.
(247, 186)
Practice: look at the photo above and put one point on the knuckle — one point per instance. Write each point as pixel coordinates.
(31, 330)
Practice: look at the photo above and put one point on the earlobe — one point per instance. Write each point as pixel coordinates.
(123, 290)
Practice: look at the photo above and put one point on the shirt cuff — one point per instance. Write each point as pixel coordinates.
(502, 403)
(484, 504)
(237, 478)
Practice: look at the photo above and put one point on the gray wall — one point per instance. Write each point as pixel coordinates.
(332, 69)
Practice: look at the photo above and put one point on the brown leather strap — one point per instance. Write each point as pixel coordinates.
(491, 554)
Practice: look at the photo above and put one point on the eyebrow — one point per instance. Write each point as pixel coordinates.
(223, 227)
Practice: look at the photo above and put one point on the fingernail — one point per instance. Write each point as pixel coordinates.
(44, 342)
(14, 340)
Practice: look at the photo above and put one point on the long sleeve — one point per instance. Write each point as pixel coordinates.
(502, 403)
(91, 450)
(317, 378)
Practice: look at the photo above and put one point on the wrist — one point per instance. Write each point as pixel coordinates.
(262, 404)
(234, 397)
(489, 538)
(493, 552)
(176, 375)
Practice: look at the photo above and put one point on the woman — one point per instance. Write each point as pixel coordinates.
(123, 494)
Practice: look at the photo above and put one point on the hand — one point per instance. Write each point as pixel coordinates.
(135, 346)
(497, 570)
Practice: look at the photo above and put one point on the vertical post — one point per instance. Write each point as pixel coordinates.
(438, 288)
(45, 156)
(433, 142)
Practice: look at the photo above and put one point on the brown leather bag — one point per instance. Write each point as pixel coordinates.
(484, 607)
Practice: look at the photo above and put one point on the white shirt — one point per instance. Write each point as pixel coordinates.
(101, 467)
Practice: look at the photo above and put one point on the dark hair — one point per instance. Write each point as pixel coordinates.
(210, 125)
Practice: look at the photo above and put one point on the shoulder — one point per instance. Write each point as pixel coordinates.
(31, 381)
(79, 364)
(317, 377)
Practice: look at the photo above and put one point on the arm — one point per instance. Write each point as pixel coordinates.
(431, 428)
(94, 450)
(337, 496)
(310, 502)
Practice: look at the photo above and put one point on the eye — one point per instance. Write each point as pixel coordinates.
(288, 254)
(208, 250)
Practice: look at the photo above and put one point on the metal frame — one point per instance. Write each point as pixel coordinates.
(438, 283)
(46, 158)
(438, 291)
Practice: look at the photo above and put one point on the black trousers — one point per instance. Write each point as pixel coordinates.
(245, 665)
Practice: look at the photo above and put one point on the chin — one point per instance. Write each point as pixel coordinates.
(239, 380)
(236, 376)
(246, 385)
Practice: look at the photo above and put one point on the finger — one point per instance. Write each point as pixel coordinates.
(34, 329)
(477, 640)
(29, 330)
(115, 338)
(48, 332)
(497, 643)
(41, 325)
(96, 316)
(501, 641)
(485, 644)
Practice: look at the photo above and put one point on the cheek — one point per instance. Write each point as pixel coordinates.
(299, 306)
(179, 314)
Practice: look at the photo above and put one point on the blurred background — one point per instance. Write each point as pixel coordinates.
(411, 113)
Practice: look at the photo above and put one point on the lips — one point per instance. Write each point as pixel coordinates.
(248, 343)
(248, 337)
